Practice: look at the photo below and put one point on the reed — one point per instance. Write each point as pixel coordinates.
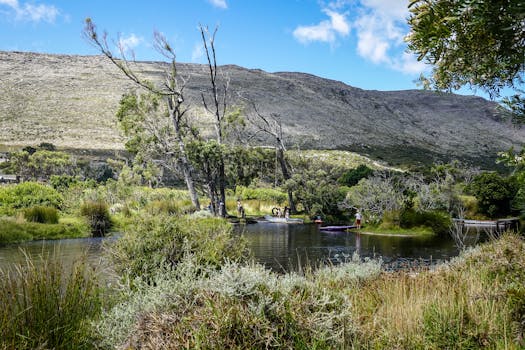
(46, 306)
(41, 214)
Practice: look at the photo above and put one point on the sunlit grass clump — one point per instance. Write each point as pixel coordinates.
(48, 306)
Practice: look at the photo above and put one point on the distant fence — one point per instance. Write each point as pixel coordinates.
(499, 226)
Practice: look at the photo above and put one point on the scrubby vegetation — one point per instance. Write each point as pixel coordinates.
(186, 281)
(97, 215)
(162, 241)
(476, 301)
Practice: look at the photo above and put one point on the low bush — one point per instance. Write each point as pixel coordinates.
(153, 242)
(238, 307)
(97, 214)
(40, 214)
(45, 306)
(26, 195)
(351, 177)
(438, 221)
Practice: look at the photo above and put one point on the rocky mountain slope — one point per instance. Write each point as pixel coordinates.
(71, 102)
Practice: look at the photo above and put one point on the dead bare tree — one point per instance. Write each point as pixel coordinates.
(458, 230)
(217, 107)
(271, 125)
(171, 90)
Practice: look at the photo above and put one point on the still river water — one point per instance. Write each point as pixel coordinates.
(281, 247)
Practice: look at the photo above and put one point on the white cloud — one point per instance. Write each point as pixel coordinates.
(326, 31)
(380, 27)
(219, 3)
(409, 64)
(31, 12)
(197, 53)
(320, 32)
(127, 44)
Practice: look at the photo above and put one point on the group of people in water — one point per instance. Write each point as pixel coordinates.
(281, 212)
(278, 212)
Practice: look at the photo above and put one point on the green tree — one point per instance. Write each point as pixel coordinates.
(41, 164)
(377, 196)
(316, 192)
(470, 42)
(352, 176)
(494, 193)
(171, 92)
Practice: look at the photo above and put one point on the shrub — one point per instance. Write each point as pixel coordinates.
(438, 221)
(45, 306)
(238, 307)
(26, 195)
(97, 214)
(63, 182)
(352, 176)
(263, 194)
(391, 220)
(43, 215)
(494, 193)
(154, 242)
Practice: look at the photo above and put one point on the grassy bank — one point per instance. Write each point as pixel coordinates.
(16, 231)
(398, 231)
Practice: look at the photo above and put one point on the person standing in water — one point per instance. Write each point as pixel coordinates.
(358, 218)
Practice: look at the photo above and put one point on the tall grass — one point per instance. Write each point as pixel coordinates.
(45, 306)
(41, 214)
(477, 301)
(98, 217)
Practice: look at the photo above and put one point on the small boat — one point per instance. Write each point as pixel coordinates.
(283, 220)
(337, 228)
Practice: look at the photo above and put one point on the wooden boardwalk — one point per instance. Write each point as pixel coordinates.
(500, 225)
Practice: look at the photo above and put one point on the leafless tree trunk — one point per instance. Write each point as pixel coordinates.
(171, 91)
(459, 232)
(272, 126)
(219, 103)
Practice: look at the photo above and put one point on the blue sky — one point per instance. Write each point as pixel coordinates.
(359, 42)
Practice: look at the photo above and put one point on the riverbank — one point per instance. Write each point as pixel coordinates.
(14, 231)
(462, 305)
(397, 232)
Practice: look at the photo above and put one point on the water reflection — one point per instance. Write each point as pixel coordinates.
(280, 247)
(289, 247)
(68, 250)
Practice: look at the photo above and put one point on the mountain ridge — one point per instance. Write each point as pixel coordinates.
(71, 100)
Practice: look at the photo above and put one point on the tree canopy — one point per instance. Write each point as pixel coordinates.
(478, 43)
